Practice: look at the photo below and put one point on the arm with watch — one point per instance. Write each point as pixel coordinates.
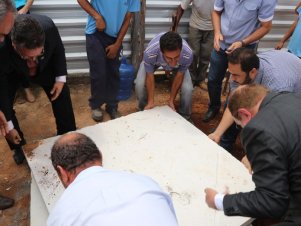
(264, 28)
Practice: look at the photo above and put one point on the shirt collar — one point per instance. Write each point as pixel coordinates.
(88, 171)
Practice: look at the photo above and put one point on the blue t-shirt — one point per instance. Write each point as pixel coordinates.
(20, 3)
(113, 13)
(294, 45)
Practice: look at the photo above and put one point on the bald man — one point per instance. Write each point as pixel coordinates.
(97, 196)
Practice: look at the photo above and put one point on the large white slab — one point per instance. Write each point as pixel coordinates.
(161, 144)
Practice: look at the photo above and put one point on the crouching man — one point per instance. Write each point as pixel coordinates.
(172, 53)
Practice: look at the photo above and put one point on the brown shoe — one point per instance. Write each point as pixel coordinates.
(6, 202)
(29, 95)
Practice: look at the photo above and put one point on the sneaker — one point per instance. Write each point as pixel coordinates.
(97, 115)
(29, 95)
(113, 113)
(19, 155)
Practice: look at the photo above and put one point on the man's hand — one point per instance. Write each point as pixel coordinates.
(172, 105)
(56, 90)
(210, 195)
(235, 45)
(246, 163)
(13, 136)
(217, 38)
(149, 106)
(100, 24)
(216, 138)
(24, 10)
(279, 45)
(3, 125)
(112, 51)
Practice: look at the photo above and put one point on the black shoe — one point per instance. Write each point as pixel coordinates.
(6, 202)
(210, 114)
(196, 83)
(113, 113)
(19, 156)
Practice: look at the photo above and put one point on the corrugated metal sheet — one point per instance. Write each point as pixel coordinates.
(71, 20)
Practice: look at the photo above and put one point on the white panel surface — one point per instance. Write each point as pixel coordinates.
(161, 144)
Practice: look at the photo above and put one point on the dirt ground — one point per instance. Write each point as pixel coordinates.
(37, 122)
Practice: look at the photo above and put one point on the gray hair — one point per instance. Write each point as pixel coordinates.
(6, 6)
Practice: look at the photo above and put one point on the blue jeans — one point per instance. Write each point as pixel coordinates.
(217, 70)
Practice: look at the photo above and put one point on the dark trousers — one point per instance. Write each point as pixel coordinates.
(62, 110)
(104, 72)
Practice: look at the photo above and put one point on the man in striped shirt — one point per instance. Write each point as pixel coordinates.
(276, 70)
(173, 54)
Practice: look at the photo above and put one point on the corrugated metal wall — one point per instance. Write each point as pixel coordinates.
(71, 19)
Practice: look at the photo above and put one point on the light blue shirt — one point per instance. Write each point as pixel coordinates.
(278, 71)
(153, 57)
(20, 3)
(294, 45)
(103, 197)
(113, 13)
(240, 18)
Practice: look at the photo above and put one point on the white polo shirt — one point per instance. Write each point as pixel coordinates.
(110, 198)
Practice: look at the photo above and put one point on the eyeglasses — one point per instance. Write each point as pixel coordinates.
(31, 58)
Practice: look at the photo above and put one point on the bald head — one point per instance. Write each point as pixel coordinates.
(74, 150)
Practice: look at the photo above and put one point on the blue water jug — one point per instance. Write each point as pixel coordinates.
(126, 74)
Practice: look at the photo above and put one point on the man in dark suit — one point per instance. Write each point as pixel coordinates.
(36, 51)
(271, 136)
(7, 15)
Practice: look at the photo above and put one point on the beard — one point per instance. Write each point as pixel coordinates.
(247, 80)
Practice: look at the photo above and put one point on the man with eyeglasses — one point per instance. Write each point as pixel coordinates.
(172, 53)
(36, 51)
(277, 70)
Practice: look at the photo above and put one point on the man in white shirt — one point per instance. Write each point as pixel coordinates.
(97, 196)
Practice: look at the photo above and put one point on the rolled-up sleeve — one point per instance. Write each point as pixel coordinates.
(218, 5)
(266, 11)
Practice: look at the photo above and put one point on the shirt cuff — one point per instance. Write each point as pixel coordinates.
(218, 8)
(61, 78)
(266, 19)
(10, 125)
(218, 200)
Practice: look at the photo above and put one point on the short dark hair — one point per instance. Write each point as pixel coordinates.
(75, 152)
(170, 41)
(27, 32)
(6, 6)
(247, 59)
